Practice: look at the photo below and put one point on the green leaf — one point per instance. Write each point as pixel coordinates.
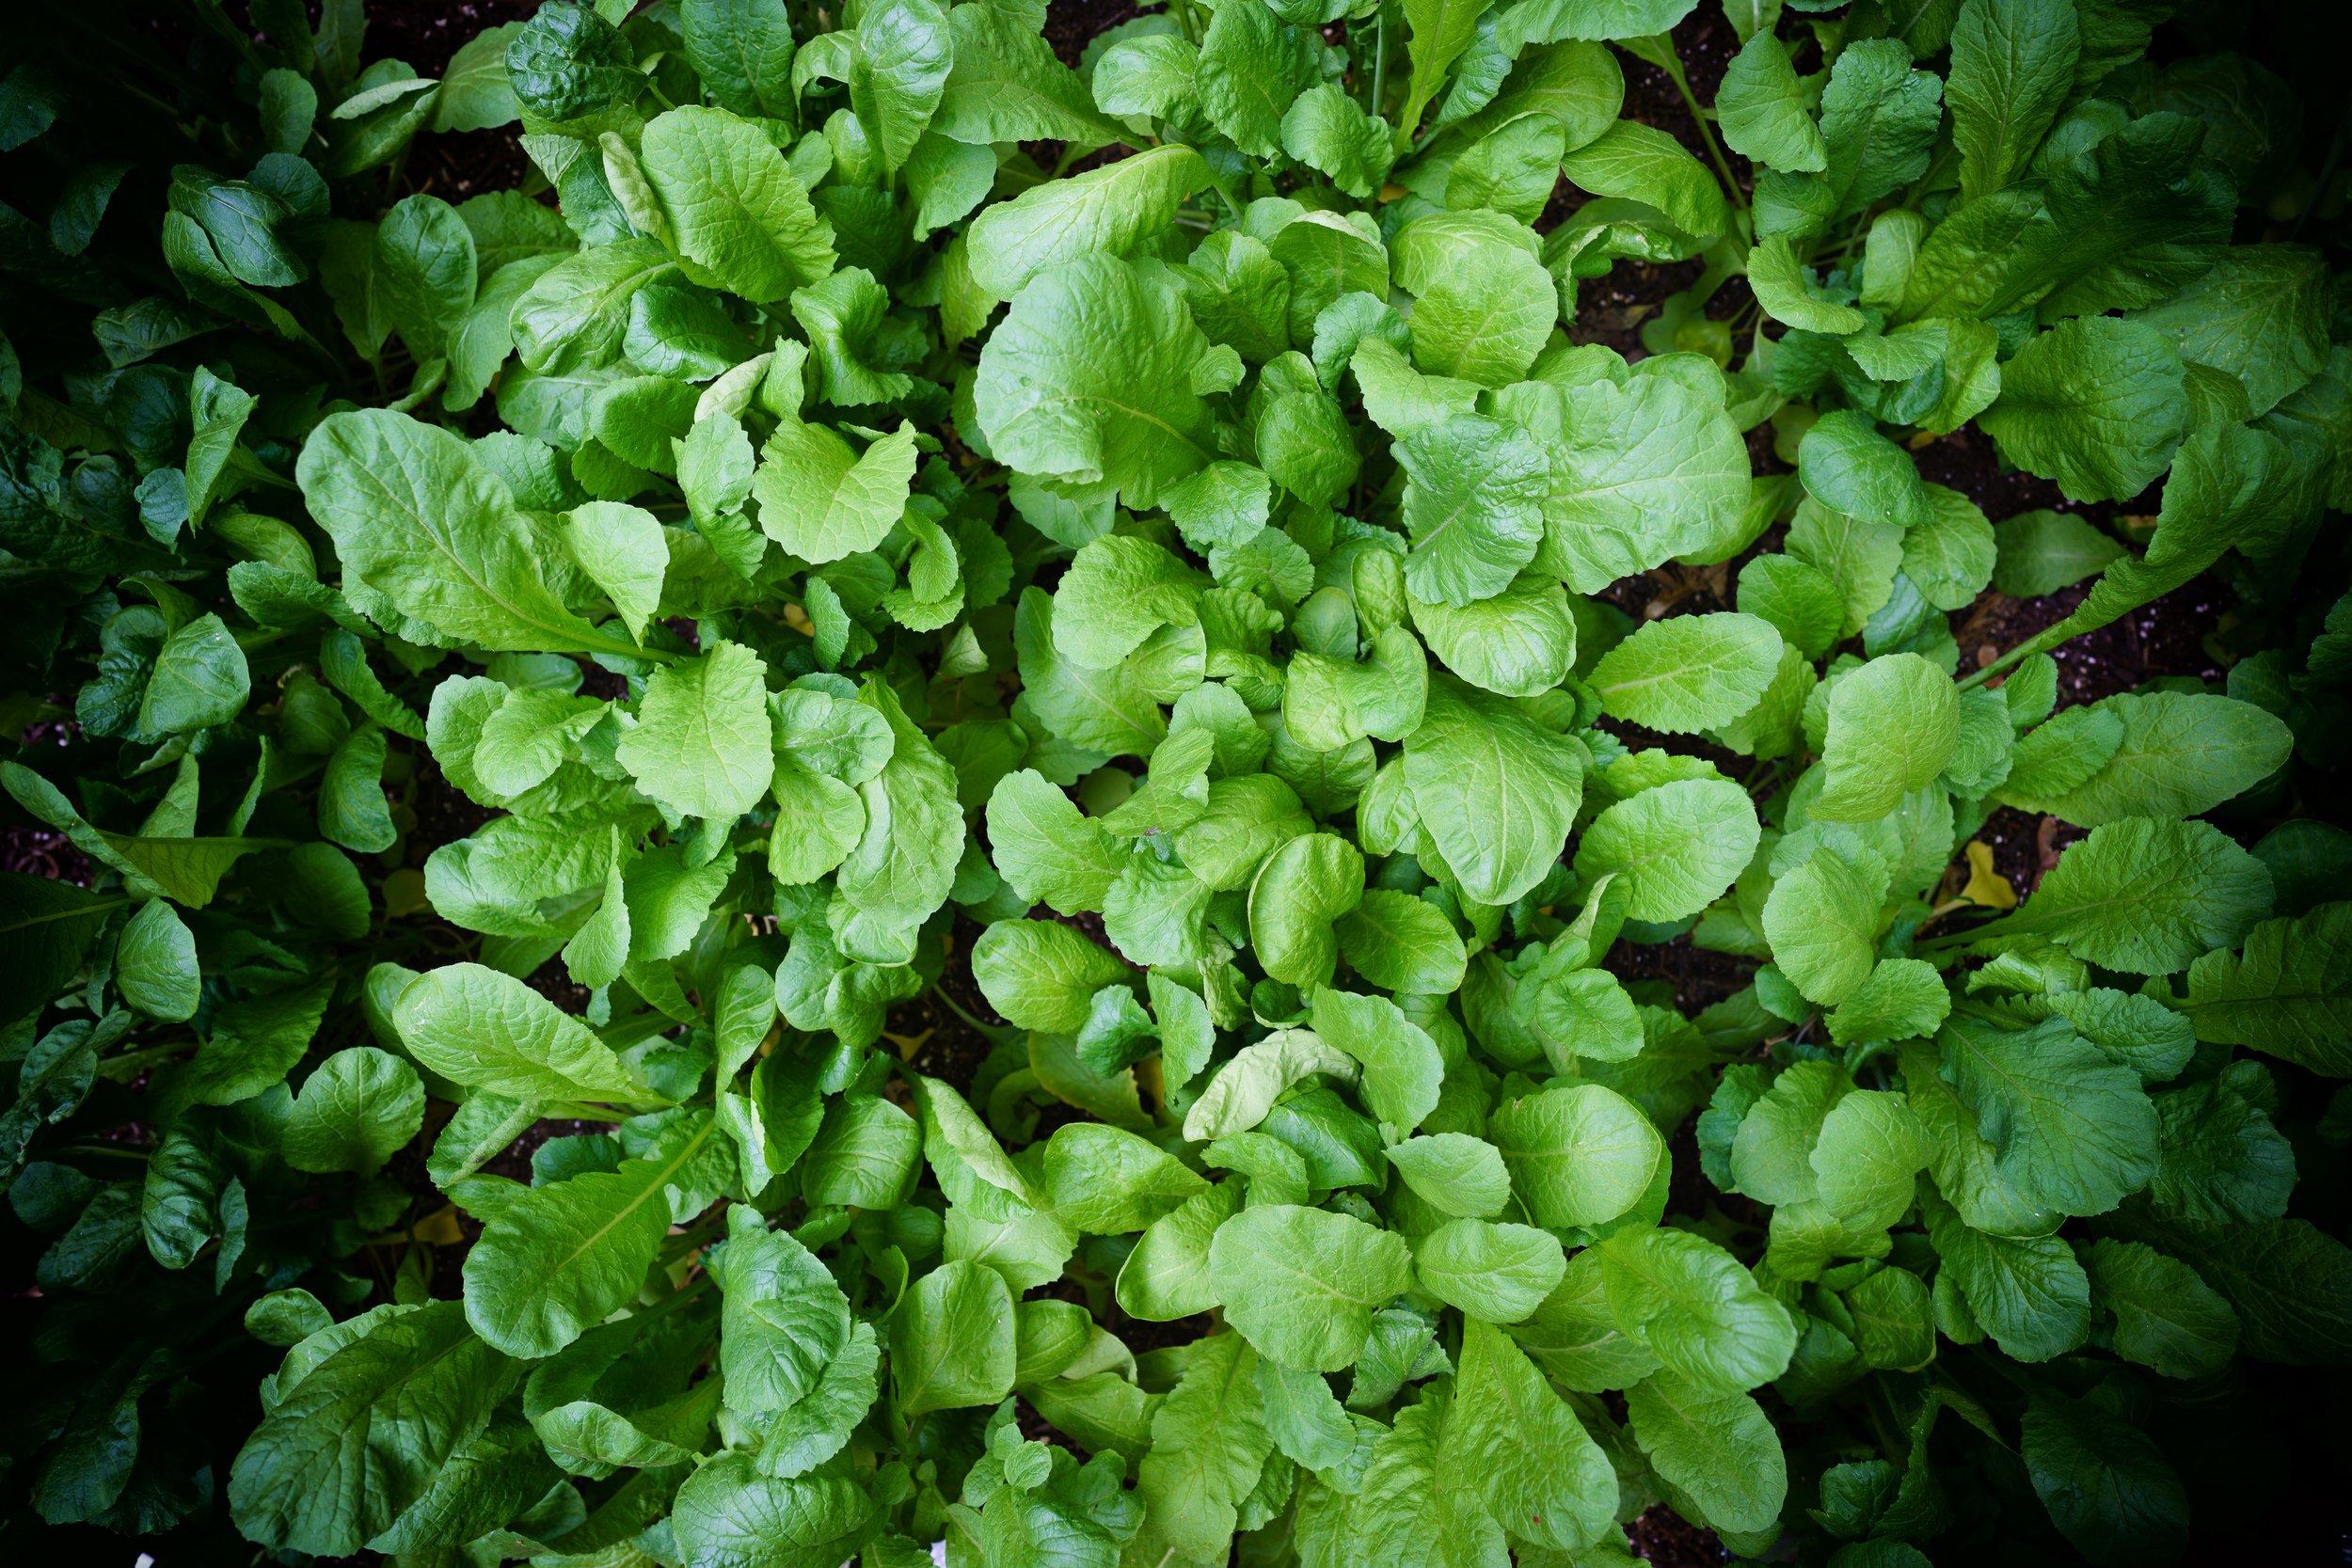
(1304, 887)
(728, 1513)
(2108, 1489)
(1893, 726)
(822, 500)
(1894, 1320)
(1520, 1449)
(1328, 131)
(1630, 159)
(2179, 755)
(1168, 1277)
(2165, 1316)
(2288, 1280)
(2260, 315)
(1402, 944)
(1772, 1152)
(1302, 1284)
(2013, 71)
(1209, 1441)
(420, 1373)
(1715, 1445)
(1454, 1173)
(2041, 552)
(358, 1110)
(742, 52)
(1402, 1068)
(1007, 85)
(1781, 286)
(1046, 849)
(1763, 116)
(255, 1042)
(1673, 848)
(199, 680)
(2144, 895)
(2289, 994)
(1471, 503)
(2072, 1128)
(1517, 643)
(560, 1259)
(155, 962)
(1850, 468)
(2096, 403)
(2029, 1295)
(952, 1342)
(1870, 1147)
(490, 1031)
(1578, 1154)
(742, 220)
(421, 523)
(1041, 974)
(1495, 792)
(1689, 672)
(1496, 1273)
(47, 928)
(1092, 378)
(1107, 209)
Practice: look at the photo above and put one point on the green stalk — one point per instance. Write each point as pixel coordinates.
(1667, 57)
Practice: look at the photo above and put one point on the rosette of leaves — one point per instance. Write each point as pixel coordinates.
(193, 1126)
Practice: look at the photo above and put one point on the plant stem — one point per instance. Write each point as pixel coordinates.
(1672, 60)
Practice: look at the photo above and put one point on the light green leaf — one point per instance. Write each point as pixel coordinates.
(743, 222)
(1689, 672)
(1302, 1284)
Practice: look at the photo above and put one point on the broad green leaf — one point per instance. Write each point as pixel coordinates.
(1772, 1152)
(1454, 1173)
(2179, 755)
(1473, 490)
(1302, 1284)
(419, 1378)
(1762, 111)
(2096, 403)
(701, 741)
(1702, 1314)
(1209, 1441)
(2259, 315)
(2029, 1295)
(1402, 1068)
(490, 1031)
(952, 1342)
(1167, 1275)
(1106, 209)
(2110, 1490)
(1402, 944)
(418, 521)
(1631, 159)
(1870, 1147)
(1495, 792)
(1848, 467)
(2145, 895)
(821, 499)
(1781, 287)
(1673, 848)
(1094, 376)
(1578, 1154)
(728, 1513)
(742, 52)
(2072, 1128)
(1495, 1273)
(2165, 1316)
(2013, 71)
(1304, 887)
(354, 1112)
(2288, 1280)
(742, 219)
(1041, 975)
(1007, 85)
(2289, 994)
(1689, 672)
(560, 1259)
(1893, 726)
(1715, 1445)
(1520, 1449)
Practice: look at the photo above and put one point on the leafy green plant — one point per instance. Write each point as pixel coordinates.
(1170, 592)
